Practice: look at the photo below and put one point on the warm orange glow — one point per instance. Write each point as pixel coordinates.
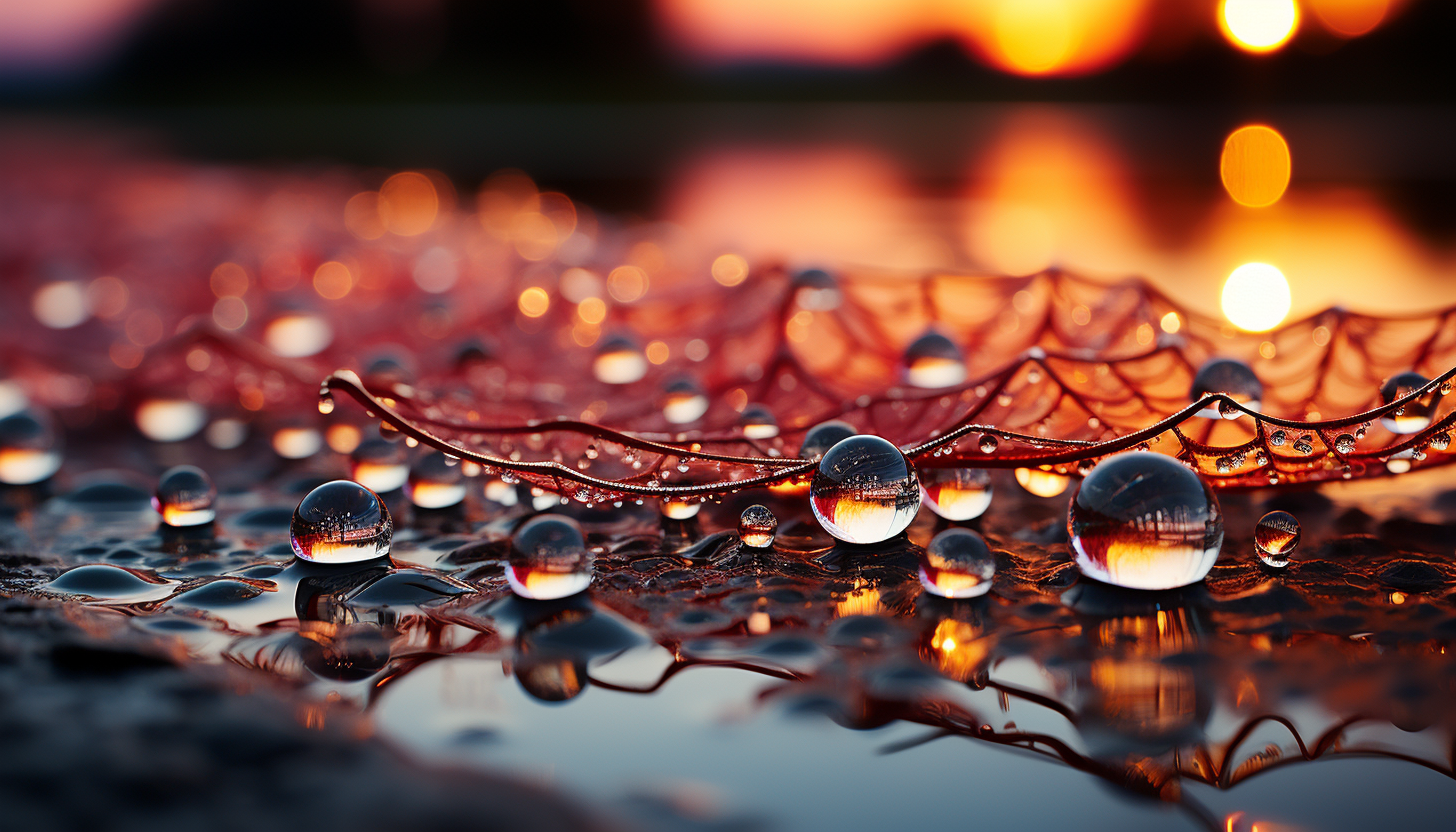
(1042, 483)
(1171, 323)
(534, 302)
(229, 280)
(1043, 37)
(1256, 297)
(361, 216)
(332, 280)
(592, 310)
(343, 438)
(1255, 165)
(408, 203)
(854, 32)
(1258, 25)
(534, 236)
(1350, 18)
(730, 269)
(627, 283)
(657, 352)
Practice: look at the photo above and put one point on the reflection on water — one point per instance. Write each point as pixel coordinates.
(726, 666)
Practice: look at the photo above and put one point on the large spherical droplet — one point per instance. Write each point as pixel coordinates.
(757, 422)
(1275, 537)
(1144, 521)
(865, 490)
(1414, 416)
(1230, 377)
(956, 493)
(933, 360)
(683, 401)
(619, 361)
(824, 436)
(957, 564)
(184, 497)
(757, 526)
(435, 483)
(30, 449)
(549, 559)
(341, 522)
(379, 465)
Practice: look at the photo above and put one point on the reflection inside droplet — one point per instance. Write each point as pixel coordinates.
(184, 497)
(757, 526)
(757, 422)
(1230, 377)
(549, 559)
(1275, 537)
(865, 490)
(1042, 483)
(1415, 415)
(341, 522)
(683, 401)
(932, 361)
(379, 465)
(956, 493)
(619, 361)
(435, 483)
(30, 449)
(957, 564)
(1144, 521)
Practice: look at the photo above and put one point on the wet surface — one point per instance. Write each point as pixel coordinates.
(812, 684)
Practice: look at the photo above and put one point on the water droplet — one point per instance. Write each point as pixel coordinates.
(1278, 438)
(1416, 414)
(184, 497)
(816, 290)
(1441, 441)
(956, 493)
(1446, 387)
(1144, 521)
(865, 490)
(435, 483)
(326, 402)
(1224, 464)
(102, 582)
(170, 420)
(824, 436)
(341, 522)
(1304, 444)
(1231, 378)
(1042, 483)
(957, 564)
(757, 422)
(30, 449)
(683, 401)
(988, 443)
(619, 361)
(549, 559)
(1344, 443)
(674, 509)
(932, 361)
(1275, 537)
(1229, 410)
(379, 465)
(756, 527)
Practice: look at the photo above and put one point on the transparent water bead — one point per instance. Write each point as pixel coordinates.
(379, 465)
(957, 564)
(549, 559)
(30, 449)
(1041, 482)
(932, 361)
(1142, 520)
(956, 493)
(184, 497)
(757, 526)
(341, 522)
(816, 290)
(675, 509)
(683, 401)
(758, 422)
(865, 490)
(824, 436)
(1230, 377)
(1275, 538)
(1414, 416)
(619, 361)
(1344, 443)
(435, 483)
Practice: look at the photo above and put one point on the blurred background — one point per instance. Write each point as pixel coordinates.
(1178, 139)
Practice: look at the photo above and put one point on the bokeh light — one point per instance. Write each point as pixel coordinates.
(1255, 165)
(408, 203)
(1350, 18)
(1258, 25)
(1256, 297)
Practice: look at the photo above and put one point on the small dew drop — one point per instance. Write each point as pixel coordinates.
(1344, 443)
(988, 443)
(757, 526)
(1278, 438)
(1275, 537)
